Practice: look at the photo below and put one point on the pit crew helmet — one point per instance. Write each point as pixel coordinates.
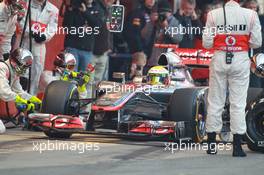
(230, 0)
(158, 75)
(257, 66)
(65, 60)
(21, 60)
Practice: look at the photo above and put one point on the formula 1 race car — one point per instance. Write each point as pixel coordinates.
(176, 111)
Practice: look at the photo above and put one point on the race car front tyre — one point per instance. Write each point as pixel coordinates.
(189, 105)
(255, 126)
(58, 98)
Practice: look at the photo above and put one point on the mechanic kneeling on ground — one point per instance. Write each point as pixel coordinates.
(10, 88)
(236, 30)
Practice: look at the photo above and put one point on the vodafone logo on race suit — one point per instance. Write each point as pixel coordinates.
(38, 27)
(230, 41)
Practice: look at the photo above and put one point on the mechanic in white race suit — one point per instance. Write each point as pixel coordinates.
(230, 68)
(8, 20)
(44, 21)
(10, 89)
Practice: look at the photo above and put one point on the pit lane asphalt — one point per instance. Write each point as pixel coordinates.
(19, 156)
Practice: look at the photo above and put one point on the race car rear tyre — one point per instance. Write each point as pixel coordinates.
(189, 105)
(253, 94)
(226, 135)
(255, 126)
(57, 135)
(58, 98)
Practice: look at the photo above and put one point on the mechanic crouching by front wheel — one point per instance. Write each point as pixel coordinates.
(65, 64)
(231, 31)
(10, 88)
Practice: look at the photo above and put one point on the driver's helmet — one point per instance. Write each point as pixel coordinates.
(21, 60)
(65, 60)
(257, 66)
(158, 75)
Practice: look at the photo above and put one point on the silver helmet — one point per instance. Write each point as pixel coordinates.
(21, 60)
(65, 60)
(257, 66)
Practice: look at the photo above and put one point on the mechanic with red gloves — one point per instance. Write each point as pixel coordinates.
(44, 21)
(9, 10)
(10, 71)
(231, 31)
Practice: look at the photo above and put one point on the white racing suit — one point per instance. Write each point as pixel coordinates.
(244, 32)
(7, 28)
(9, 90)
(44, 21)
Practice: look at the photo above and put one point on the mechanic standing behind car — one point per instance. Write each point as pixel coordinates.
(10, 89)
(8, 21)
(44, 21)
(231, 31)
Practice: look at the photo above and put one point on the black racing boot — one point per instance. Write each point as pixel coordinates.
(237, 148)
(211, 141)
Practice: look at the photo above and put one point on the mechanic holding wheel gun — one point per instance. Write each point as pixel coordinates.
(10, 88)
(65, 64)
(231, 31)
